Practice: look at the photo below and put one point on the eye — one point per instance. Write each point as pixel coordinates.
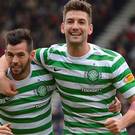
(81, 22)
(69, 21)
(9, 54)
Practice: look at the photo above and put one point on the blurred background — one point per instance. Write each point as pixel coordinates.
(114, 28)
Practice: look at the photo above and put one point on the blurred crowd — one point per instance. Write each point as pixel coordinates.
(43, 18)
(124, 43)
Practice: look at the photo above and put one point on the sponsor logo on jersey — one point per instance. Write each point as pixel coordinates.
(129, 78)
(40, 105)
(56, 69)
(4, 99)
(92, 90)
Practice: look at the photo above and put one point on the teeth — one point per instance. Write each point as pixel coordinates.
(75, 34)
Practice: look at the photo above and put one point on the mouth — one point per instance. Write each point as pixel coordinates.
(15, 71)
(75, 34)
(15, 68)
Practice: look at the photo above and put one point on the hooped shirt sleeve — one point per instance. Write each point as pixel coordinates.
(39, 56)
(123, 78)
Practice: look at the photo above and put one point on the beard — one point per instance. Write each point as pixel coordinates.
(19, 71)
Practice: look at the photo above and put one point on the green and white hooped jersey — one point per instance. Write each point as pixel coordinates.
(87, 86)
(29, 111)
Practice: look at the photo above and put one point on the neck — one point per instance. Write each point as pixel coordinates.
(78, 50)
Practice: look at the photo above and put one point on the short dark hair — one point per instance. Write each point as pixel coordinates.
(19, 35)
(81, 5)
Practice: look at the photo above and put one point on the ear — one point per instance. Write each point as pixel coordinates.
(5, 51)
(32, 55)
(90, 29)
(62, 28)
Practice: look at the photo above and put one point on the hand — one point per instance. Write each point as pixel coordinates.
(114, 125)
(116, 106)
(7, 87)
(5, 129)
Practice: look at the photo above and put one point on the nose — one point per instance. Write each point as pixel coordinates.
(75, 25)
(15, 59)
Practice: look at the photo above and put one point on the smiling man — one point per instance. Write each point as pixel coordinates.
(29, 111)
(88, 77)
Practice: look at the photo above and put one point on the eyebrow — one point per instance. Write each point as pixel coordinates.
(16, 53)
(83, 19)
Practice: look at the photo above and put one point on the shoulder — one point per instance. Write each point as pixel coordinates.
(52, 48)
(57, 47)
(103, 52)
(38, 70)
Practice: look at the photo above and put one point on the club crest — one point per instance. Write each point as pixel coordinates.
(41, 91)
(93, 75)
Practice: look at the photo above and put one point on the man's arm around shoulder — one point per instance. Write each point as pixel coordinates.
(6, 85)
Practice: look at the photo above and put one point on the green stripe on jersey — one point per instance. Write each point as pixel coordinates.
(67, 132)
